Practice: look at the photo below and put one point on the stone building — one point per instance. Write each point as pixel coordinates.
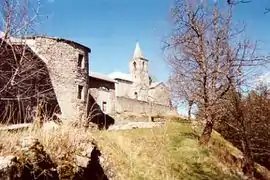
(135, 92)
(102, 89)
(67, 62)
(76, 91)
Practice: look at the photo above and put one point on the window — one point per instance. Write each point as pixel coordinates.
(136, 95)
(80, 60)
(143, 64)
(104, 104)
(80, 88)
(134, 65)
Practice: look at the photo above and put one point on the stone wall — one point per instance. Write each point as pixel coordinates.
(68, 79)
(124, 105)
(123, 88)
(160, 95)
(103, 92)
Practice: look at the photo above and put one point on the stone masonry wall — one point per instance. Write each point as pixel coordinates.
(160, 95)
(62, 60)
(141, 107)
(108, 96)
(103, 91)
(123, 88)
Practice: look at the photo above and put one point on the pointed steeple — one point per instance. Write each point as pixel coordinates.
(137, 52)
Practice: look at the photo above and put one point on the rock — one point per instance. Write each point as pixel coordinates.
(6, 161)
(28, 142)
(36, 162)
(82, 161)
(88, 151)
(49, 126)
(8, 168)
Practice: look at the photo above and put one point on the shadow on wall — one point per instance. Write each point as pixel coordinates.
(96, 115)
(19, 99)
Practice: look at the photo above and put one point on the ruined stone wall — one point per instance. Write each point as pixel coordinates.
(160, 95)
(103, 91)
(123, 88)
(141, 107)
(100, 95)
(61, 59)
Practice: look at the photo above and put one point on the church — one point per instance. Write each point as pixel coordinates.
(134, 92)
(71, 91)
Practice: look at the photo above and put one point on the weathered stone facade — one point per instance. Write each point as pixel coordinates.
(139, 72)
(103, 91)
(67, 63)
(133, 106)
(75, 90)
(136, 93)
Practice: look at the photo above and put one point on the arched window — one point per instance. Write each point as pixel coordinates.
(143, 64)
(136, 95)
(80, 92)
(134, 65)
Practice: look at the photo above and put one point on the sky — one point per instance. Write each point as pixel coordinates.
(111, 29)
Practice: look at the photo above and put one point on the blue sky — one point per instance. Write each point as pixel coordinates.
(112, 27)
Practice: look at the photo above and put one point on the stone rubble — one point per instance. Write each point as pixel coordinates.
(8, 167)
(33, 161)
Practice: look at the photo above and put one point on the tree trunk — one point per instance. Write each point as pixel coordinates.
(190, 103)
(248, 164)
(207, 131)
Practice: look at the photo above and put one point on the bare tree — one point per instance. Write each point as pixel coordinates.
(24, 78)
(19, 17)
(182, 93)
(244, 122)
(236, 2)
(207, 55)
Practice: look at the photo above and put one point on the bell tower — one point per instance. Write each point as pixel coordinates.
(139, 72)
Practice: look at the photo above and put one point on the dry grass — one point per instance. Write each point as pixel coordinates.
(169, 153)
(162, 153)
(61, 144)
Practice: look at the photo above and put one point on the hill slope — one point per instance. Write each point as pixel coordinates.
(168, 152)
(171, 152)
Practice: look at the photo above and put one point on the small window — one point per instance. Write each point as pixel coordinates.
(80, 88)
(143, 64)
(136, 95)
(134, 65)
(104, 104)
(80, 60)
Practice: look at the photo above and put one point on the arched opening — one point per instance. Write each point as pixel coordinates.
(134, 65)
(136, 95)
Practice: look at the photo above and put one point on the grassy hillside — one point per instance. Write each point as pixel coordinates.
(167, 153)
(171, 152)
